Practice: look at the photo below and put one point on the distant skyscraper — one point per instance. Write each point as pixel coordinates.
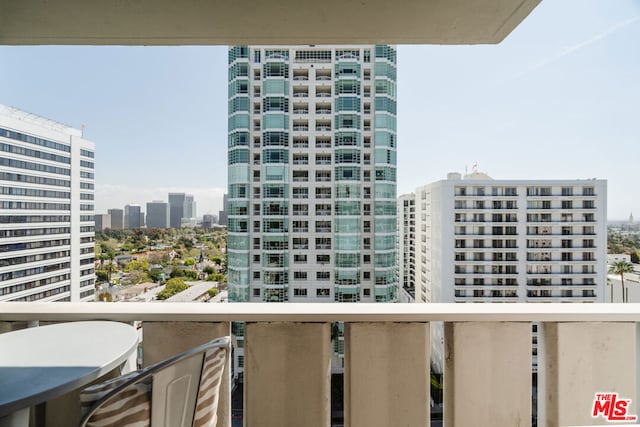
(189, 207)
(117, 218)
(176, 209)
(208, 221)
(312, 173)
(47, 210)
(222, 218)
(103, 221)
(181, 206)
(158, 214)
(132, 216)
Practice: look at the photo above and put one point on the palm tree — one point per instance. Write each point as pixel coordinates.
(620, 268)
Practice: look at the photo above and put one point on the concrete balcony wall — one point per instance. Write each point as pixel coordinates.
(287, 374)
(487, 373)
(581, 359)
(387, 374)
(582, 350)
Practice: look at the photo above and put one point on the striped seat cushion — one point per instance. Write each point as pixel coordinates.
(209, 390)
(131, 407)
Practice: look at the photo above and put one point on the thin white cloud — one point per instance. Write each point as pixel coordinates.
(585, 43)
(109, 196)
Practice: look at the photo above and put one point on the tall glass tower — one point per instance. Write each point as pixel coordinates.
(312, 174)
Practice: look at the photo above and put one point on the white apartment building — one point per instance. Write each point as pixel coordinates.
(46, 210)
(485, 240)
(407, 242)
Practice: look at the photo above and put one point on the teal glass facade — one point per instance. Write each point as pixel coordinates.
(312, 173)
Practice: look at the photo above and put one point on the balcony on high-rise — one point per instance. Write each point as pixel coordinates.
(487, 353)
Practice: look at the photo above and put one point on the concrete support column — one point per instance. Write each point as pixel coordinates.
(487, 377)
(387, 374)
(162, 340)
(578, 360)
(287, 374)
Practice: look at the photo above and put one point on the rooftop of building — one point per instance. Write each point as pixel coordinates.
(481, 177)
(195, 292)
(34, 119)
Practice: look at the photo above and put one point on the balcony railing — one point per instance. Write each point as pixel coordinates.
(582, 349)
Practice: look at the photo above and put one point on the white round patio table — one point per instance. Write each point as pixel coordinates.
(41, 363)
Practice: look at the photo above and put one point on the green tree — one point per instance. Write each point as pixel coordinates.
(191, 274)
(217, 277)
(102, 275)
(186, 242)
(140, 264)
(111, 267)
(155, 275)
(172, 287)
(212, 292)
(176, 272)
(189, 261)
(634, 257)
(620, 268)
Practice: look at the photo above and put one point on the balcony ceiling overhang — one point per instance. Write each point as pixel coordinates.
(231, 22)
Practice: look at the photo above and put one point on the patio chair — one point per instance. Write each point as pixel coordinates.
(181, 391)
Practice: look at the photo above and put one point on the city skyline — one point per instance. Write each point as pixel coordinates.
(562, 87)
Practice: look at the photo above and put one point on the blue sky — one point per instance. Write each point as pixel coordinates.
(558, 99)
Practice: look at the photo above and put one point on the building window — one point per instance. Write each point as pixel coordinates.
(323, 292)
(323, 259)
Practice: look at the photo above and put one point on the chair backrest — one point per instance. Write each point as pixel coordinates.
(184, 390)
